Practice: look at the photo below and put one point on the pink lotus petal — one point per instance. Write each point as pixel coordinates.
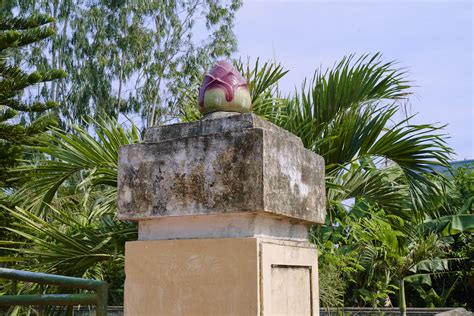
(223, 76)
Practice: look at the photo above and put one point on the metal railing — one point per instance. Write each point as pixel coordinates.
(99, 298)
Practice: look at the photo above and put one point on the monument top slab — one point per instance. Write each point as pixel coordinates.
(232, 164)
(215, 123)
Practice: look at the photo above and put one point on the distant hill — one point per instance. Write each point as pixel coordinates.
(468, 163)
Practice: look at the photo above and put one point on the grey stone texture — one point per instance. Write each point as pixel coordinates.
(456, 312)
(222, 164)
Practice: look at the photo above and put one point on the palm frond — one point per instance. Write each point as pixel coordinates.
(66, 242)
(82, 158)
(380, 187)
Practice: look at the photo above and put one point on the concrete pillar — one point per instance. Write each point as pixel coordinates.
(223, 207)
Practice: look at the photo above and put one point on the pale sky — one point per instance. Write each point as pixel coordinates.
(433, 39)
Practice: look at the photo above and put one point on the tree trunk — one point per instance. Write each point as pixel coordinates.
(401, 297)
(119, 97)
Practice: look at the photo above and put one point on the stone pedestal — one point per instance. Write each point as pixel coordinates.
(221, 276)
(223, 207)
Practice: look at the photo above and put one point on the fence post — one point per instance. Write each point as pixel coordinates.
(102, 292)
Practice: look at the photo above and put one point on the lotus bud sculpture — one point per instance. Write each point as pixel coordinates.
(224, 89)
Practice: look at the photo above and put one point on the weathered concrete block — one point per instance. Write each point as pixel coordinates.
(238, 163)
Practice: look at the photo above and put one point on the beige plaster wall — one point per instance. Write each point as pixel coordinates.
(221, 276)
(191, 277)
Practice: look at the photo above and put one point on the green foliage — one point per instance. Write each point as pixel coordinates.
(339, 264)
(68, 242)
(262, 81)
(130, 57)
(454, 225)
(331, 287)
(18, 129)
(461, 194)
(86, 163)
(383, 254)
(67, 220)
(434, 262)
